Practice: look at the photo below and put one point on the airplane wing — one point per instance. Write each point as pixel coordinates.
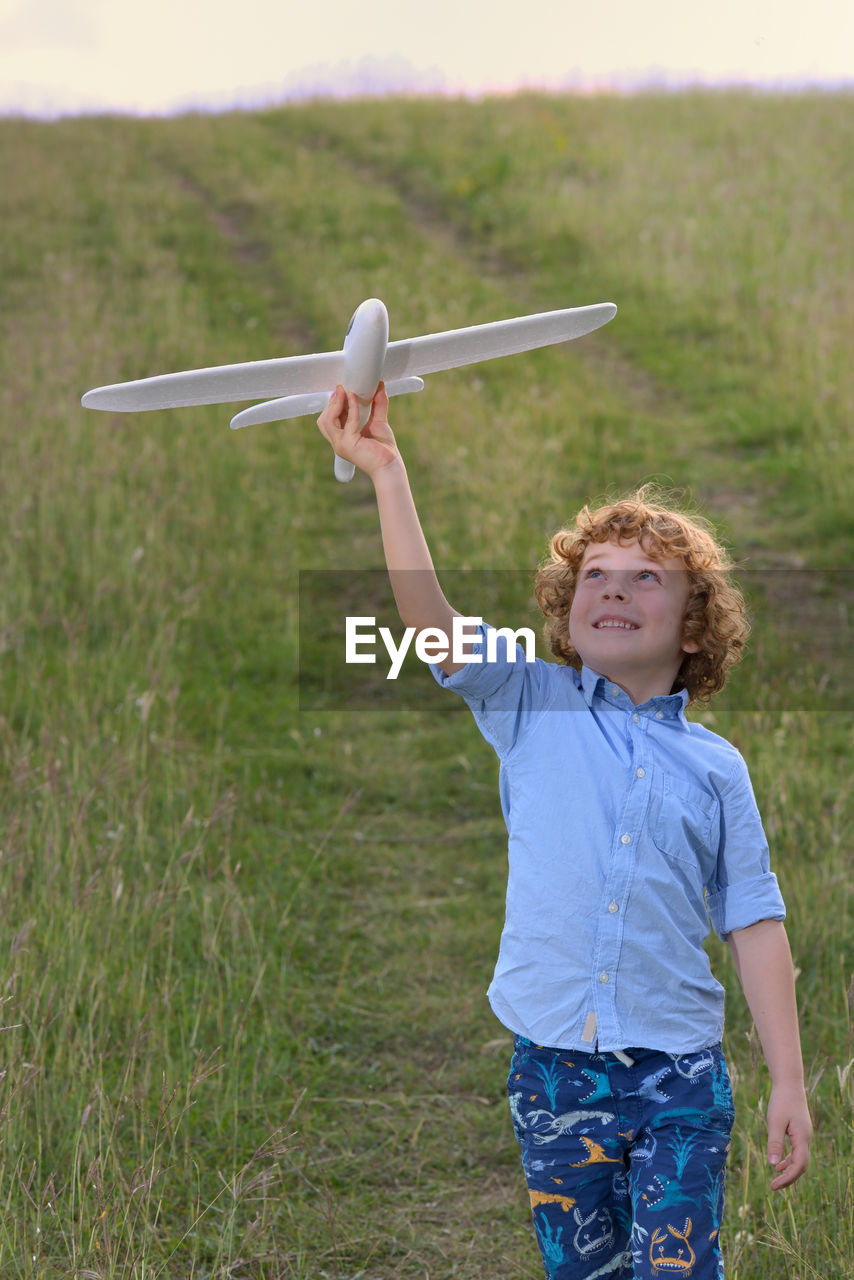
(458, 347)
(304, 375)
(290, 375)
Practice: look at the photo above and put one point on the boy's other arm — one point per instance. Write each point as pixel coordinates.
(763, 962)
(420, 600)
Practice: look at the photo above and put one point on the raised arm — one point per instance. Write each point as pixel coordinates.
(420, 600)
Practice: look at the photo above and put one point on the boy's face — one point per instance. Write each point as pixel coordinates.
(627, 616)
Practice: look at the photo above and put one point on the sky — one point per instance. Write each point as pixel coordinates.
(159, 56)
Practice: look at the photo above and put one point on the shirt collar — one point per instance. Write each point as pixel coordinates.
(667, 707)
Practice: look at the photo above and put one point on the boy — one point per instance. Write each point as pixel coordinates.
(628, 827)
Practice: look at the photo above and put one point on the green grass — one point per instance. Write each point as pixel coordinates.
(244, 1031)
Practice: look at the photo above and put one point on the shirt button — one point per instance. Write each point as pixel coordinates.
(613, 908)
(615, 690)
(603, 977)
(659, 715)
(640, 773)
(626, 839)
(636, 717)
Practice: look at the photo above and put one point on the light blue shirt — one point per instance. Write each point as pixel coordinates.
(629, 829)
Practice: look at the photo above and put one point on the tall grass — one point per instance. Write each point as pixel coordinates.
(243, 1025)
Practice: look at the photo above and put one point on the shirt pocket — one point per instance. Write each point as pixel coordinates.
(684, 822)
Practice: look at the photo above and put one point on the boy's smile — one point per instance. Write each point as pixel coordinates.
(626, 619)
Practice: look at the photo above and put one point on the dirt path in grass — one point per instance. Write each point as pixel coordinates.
(235, 223)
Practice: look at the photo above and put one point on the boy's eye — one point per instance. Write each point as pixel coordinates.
(649, 573)
(593, 573)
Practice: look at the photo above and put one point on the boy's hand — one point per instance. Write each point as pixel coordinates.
(788, 1116)
(370, 449)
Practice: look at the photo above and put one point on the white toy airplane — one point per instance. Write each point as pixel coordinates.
(303, 384)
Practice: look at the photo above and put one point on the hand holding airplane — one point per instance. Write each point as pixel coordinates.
(303, 384)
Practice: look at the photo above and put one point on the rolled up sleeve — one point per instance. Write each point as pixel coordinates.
(744, 890)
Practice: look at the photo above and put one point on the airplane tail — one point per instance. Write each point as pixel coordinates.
(314, 402)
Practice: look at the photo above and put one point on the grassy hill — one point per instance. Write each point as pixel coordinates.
(248, 930)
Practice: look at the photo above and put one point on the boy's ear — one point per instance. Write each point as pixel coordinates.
(691, 646)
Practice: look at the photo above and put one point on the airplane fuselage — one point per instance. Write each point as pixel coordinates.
(365, 345)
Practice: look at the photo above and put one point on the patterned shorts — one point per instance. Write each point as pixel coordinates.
(625, 1165)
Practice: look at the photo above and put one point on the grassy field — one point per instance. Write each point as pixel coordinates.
(246, 938)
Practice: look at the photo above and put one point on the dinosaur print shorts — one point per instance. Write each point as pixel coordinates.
(625, 1165)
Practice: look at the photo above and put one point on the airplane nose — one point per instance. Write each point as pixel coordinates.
(370, 312)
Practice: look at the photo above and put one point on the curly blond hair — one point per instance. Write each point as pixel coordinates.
(715, 614)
